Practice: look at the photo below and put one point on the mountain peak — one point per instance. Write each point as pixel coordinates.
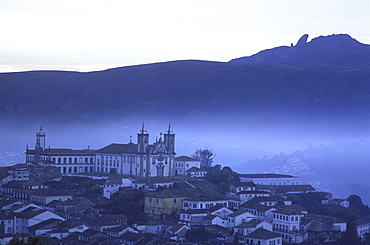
(302, 40)
(333, 50)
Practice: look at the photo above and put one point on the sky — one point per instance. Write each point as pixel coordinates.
(89, 35)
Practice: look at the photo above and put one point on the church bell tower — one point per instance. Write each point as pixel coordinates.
(142, 141)
(169, 140)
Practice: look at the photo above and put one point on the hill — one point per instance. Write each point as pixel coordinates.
(335, 50)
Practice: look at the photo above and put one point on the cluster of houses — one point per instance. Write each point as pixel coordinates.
(255, 210)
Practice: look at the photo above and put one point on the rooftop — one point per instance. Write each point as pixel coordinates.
(119, 148)
(239, 212)
(244, 184)
(261, 233)
(265, 176)
(186, 159)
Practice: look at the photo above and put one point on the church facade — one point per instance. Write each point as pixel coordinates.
(138, 160)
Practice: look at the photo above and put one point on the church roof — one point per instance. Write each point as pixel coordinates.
(119, 148)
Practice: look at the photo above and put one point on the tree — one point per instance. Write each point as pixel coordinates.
(33, 240)
(350, 236)
(205, 157)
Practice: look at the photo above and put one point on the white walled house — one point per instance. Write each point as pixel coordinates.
(183, 163)
(239, 217)
(262, 237)
(30, 217)
(340, 202)
(287, 223)
(193, 216)
(363, 226)
(196, 172)
(203, 202)
(247, 227)
(212, 219)
(242, 186)
(152, 184)
(271, 179)
(7, 220)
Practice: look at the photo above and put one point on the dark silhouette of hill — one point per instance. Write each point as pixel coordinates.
(181, 88)
(335, 50)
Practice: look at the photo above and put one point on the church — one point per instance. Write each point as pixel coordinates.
(138, 160)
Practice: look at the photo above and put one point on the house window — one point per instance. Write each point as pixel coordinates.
(174, 200)
(157, 200)
(150, 199)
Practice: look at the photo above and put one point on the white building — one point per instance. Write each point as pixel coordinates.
(140, 160)
(203, 202)
(263, 237)
(240, 217)
(183, 163)
(196, 172)
(287, 223)
(271, 179)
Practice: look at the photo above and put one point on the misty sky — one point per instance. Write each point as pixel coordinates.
(87, 35)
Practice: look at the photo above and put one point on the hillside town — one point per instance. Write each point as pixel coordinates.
(142, 193)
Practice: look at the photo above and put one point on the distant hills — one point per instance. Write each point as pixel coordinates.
(326, 79)
(328, 74)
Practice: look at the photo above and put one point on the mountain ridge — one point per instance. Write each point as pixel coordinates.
(333, 50)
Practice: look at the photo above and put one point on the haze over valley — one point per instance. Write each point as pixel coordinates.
(312, 97)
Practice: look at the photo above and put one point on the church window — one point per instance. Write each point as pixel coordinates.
(75, 160)
(64, 160)
(70, 160)
(86, 160)
(91, 160)
(98, 161)
(54, 160)
(80, 160)
(75, 169)
(59, 160)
